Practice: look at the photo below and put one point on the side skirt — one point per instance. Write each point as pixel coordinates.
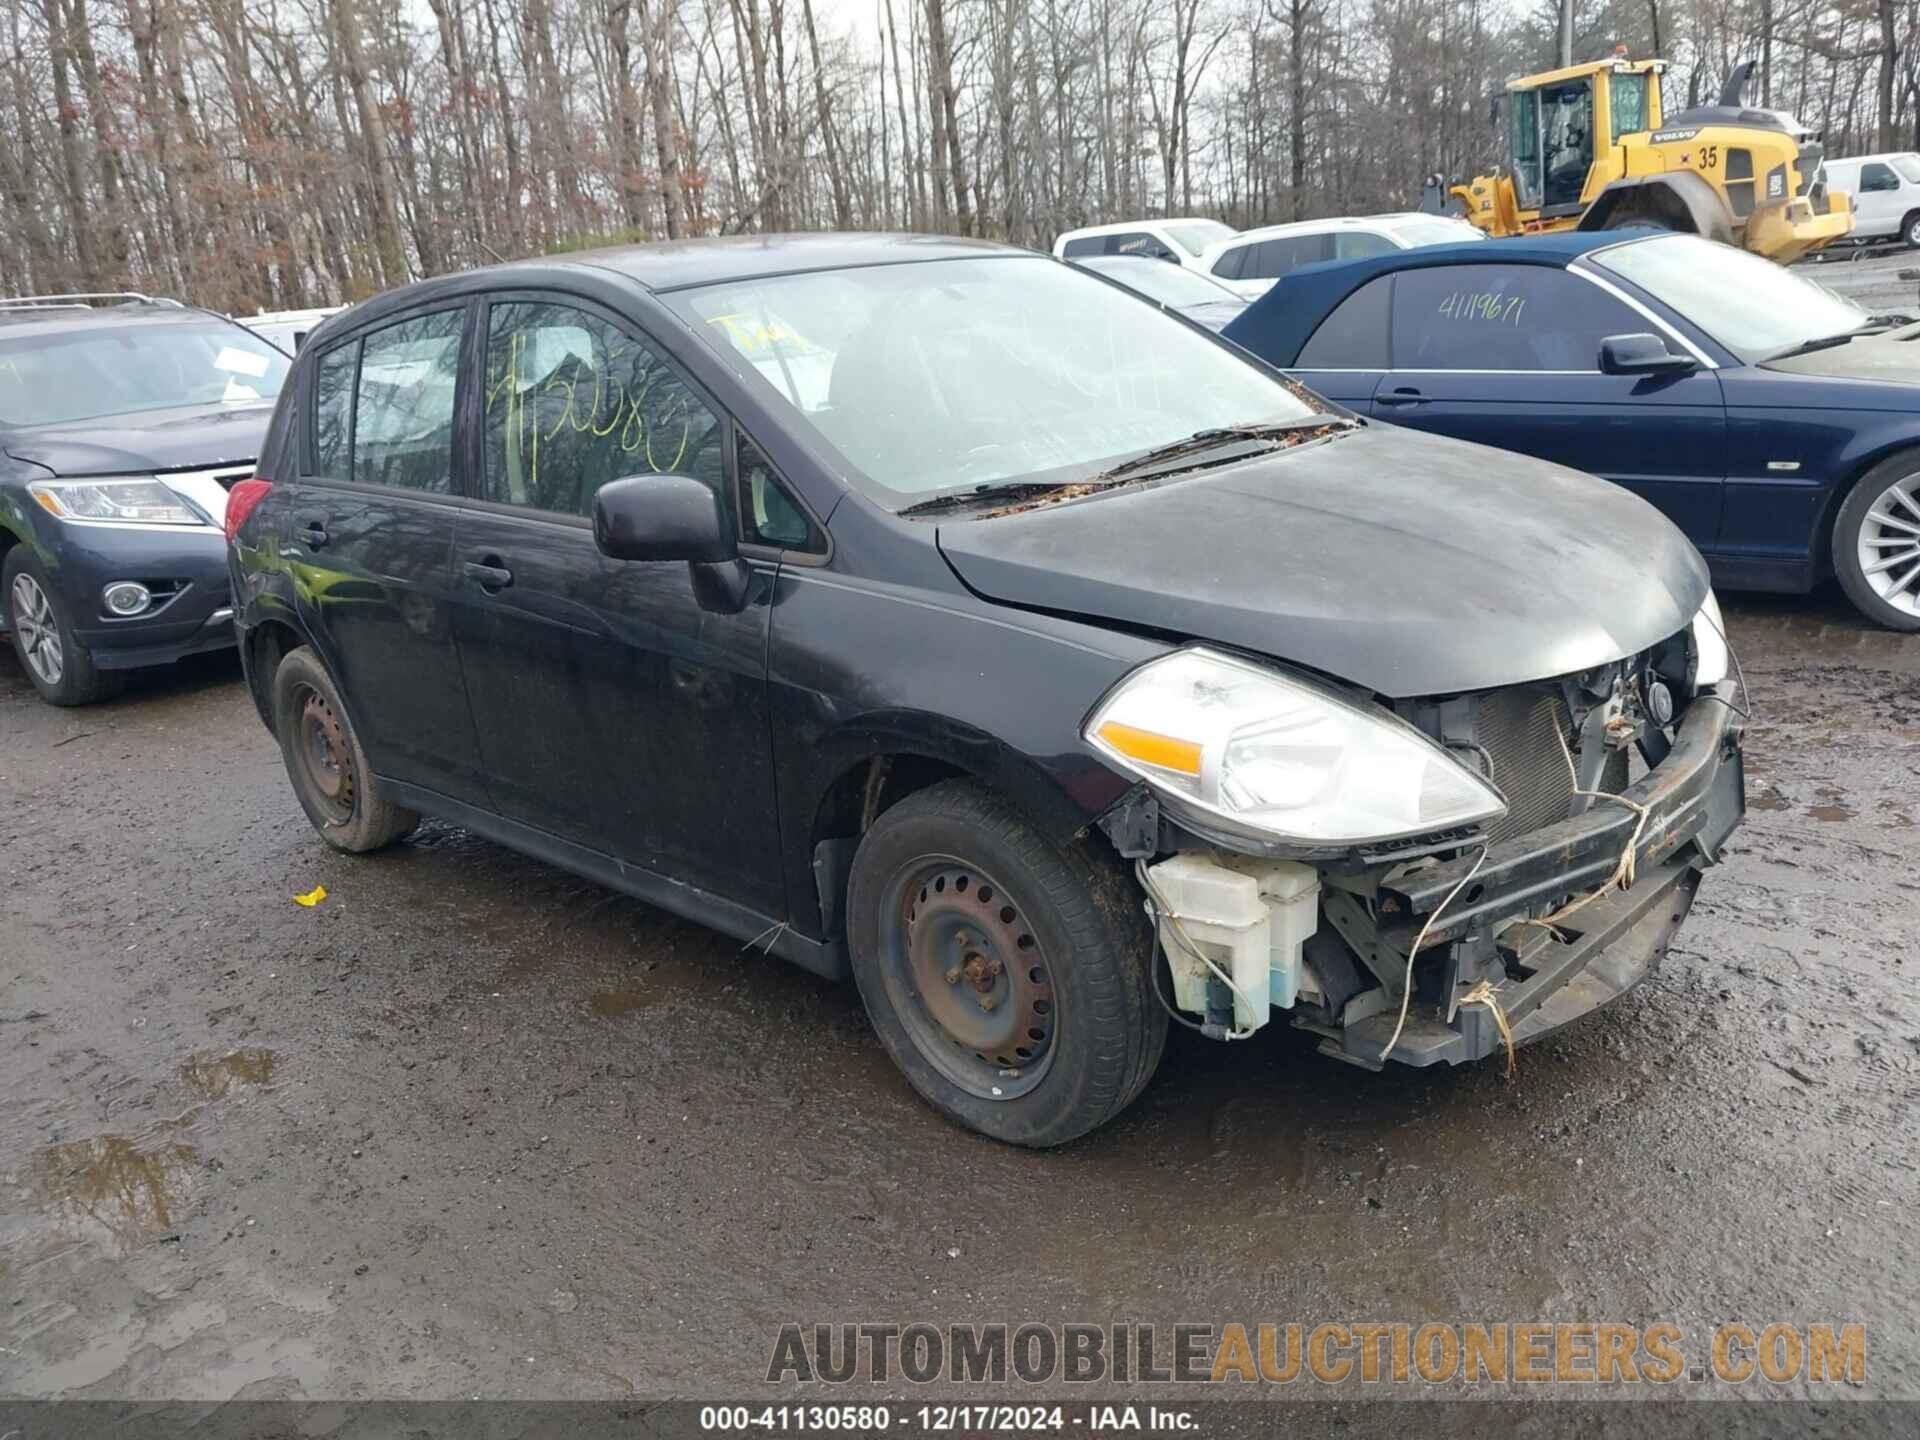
(827, 958)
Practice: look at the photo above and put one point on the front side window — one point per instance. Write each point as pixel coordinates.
(1752, 306)
(935, 375)
(1503, 317)
(1523, 144)
(573, 401)
(95, 370)
(768, 515)
(1360, 244)
(1627, 96)
(1875, 177)
(1566, 120)
(1138, 243)
(403, 403)
(1085, 245)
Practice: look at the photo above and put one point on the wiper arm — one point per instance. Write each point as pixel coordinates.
(978, 494)
(1288, 432)
(1822, 342)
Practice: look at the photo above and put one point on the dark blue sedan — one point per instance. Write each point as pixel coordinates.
(1777, 424)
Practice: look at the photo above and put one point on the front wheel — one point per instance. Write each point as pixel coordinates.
(1876, 543)
(1008, 976)
(60, 667)
(336, 787)
(1910, 230)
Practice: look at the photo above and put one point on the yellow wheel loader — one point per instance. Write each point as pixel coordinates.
(1588, 149)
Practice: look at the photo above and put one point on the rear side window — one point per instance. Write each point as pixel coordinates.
(1503, 317)
(1085, 245)
(383, 405)
(403, 403)
(1273, 258)
(573, 402)
(1354, 336)
(1359, 244)
(1227, 264)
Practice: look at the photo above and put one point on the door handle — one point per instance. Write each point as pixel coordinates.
(313, 534)
(1400, 395)
(489, 573)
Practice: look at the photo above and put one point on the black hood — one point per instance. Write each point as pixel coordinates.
(1404, 563)
(197, 437)
(1892, 358)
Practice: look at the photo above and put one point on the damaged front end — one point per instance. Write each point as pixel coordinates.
(1611, 790)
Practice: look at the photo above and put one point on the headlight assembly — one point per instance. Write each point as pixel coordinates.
(1225, 741)
(1709, 645)
(114, 500)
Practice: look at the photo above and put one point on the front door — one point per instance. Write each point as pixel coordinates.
(371, 545)
(619, 705)
(1508, 356)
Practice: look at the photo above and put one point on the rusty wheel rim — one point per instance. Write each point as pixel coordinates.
(968, 977)
(324, 757)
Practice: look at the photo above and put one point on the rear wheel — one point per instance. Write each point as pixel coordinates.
(1007, 976)
(1910, 230)
(59, 666)
(1876, 543)
(325, 761)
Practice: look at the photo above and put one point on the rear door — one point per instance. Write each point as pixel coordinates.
(1508, 355)
(371, 543)
(621, 705)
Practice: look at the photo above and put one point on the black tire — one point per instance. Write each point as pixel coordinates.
(1910, 230)
(1855, 523)
(325, 761)
(1068, 916)
(64, 674)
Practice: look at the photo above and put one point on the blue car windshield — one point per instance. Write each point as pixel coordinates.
(94, 371)
(938, 374)
(1752, 306)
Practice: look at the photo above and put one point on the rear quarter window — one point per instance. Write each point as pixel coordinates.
(1355, 335)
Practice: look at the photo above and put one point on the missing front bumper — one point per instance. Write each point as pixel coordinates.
(1545, 978)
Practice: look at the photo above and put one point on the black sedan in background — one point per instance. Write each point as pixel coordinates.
(929, 610)
(1186, 292)
(123, 423)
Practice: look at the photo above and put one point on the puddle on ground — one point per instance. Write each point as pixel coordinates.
(110, 1181)
(212, 1076)
(1830, 812)
(611, 1003)
(1772, 800)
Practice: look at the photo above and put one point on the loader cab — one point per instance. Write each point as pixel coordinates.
(1552, 124)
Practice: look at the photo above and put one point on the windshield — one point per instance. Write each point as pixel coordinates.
(939, 374)
(1752, 306)
(1193, 236)
(91, 372)
(1907, 165)
(1157, 280)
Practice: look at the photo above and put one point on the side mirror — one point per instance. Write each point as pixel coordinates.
(662, 517)
(1642, 355)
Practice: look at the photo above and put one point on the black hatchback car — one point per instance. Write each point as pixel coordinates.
(123, 422)
(933, 611)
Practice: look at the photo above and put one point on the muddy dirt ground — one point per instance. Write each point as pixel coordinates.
(474, 1127)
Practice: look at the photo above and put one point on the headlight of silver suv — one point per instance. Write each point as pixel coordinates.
(114, 500)
(1223, 739)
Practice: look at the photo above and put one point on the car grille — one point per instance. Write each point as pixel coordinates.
(1519, 730)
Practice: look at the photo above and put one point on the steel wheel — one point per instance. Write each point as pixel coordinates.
(967, 977)
(324, 756)
(39, 632)
(1889, 545)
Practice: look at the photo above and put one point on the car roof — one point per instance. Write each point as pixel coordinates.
(676, 264)
(54, 318)
(1115, 227)
(1386, 221)
(1277, 325)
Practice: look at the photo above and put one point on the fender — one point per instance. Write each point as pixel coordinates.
(1680, 197)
